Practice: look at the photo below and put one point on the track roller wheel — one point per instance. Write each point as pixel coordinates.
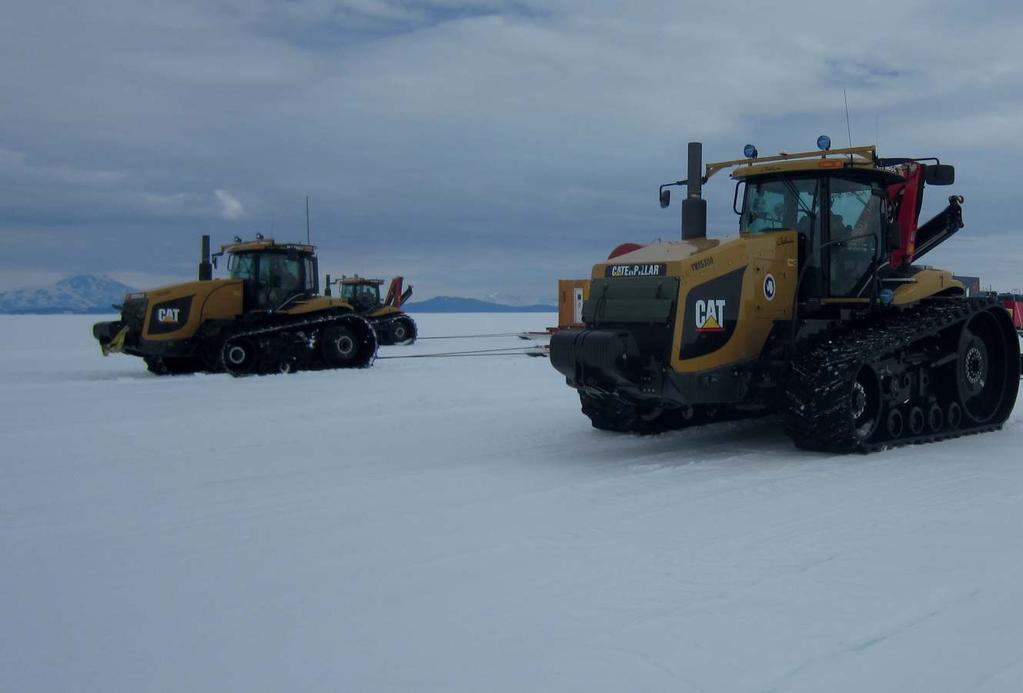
(917, 421)
(340, 346)
(954, 416)
(349, 342)
(935, 418)
(239, 356)
(894, 424)
(403, 331)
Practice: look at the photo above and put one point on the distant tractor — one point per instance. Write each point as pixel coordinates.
(392, 325)
(266, 317)
(815, 311)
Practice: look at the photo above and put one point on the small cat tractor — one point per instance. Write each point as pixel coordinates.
(817, 310)
(391, 324)
(267, 316)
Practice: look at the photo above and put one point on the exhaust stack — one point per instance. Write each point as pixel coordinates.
(205, 266)
(694, 207)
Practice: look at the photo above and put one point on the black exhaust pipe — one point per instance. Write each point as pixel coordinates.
(205, 266)
(694, 207)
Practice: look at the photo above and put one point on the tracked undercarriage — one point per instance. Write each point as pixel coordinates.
(394, 329)
(944, 368)
(333, 341)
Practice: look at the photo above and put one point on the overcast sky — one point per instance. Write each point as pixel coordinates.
(479, 148)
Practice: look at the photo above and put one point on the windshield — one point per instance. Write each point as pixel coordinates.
(242, 266)
(779, 203)
(365, 292)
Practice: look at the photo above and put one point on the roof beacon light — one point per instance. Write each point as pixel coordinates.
(749, 151)
(824, 143)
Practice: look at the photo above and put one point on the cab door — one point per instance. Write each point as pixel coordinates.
(854, 241)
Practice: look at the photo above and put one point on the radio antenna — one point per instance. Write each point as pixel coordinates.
(308, 242)
(848, 129)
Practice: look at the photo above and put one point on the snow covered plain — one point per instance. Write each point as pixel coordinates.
(456, 525)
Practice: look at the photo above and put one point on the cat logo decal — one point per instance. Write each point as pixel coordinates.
(167, 315)
(710, 315)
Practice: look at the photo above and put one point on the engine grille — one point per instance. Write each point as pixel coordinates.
(643, 306)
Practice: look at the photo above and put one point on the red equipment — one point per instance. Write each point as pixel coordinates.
(623, 249)
(1014, 304)
(395, 296)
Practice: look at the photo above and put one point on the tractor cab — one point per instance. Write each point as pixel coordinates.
(362, 293)
(856, 215)
(839, 215)
(273, 274)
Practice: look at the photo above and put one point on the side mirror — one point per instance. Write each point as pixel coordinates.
(940, 174)
(735, 197)
(665, 198)
(214, 261)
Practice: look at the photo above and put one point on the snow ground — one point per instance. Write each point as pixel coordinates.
(456, 525)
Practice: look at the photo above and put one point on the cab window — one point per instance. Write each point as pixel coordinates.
(854, 228)
(242, 266)
(280, 271)
(310, 274)
(779, 203)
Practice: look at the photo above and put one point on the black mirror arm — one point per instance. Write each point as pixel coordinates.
(663, 196)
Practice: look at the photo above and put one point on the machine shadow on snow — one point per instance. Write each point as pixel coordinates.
(708, 444)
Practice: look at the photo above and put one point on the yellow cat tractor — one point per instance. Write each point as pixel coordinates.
(267, 316)
(816, 310)
(392, 325)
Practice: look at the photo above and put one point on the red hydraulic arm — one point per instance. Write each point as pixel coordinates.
(395, 296)
(908, 196)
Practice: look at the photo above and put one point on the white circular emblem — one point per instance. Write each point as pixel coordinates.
(769, 287)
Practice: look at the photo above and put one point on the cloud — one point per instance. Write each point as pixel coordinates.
(431, 136)
(230, 206)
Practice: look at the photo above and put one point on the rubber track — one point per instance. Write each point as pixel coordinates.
(385, 325)
(816, 405)
(287, 327)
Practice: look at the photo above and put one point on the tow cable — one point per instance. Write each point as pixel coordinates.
(506, 351)
(532, 350)
(473, 336)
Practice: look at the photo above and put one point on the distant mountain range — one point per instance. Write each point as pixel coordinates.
(87, 293)
(454, 304)
(84, 293)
